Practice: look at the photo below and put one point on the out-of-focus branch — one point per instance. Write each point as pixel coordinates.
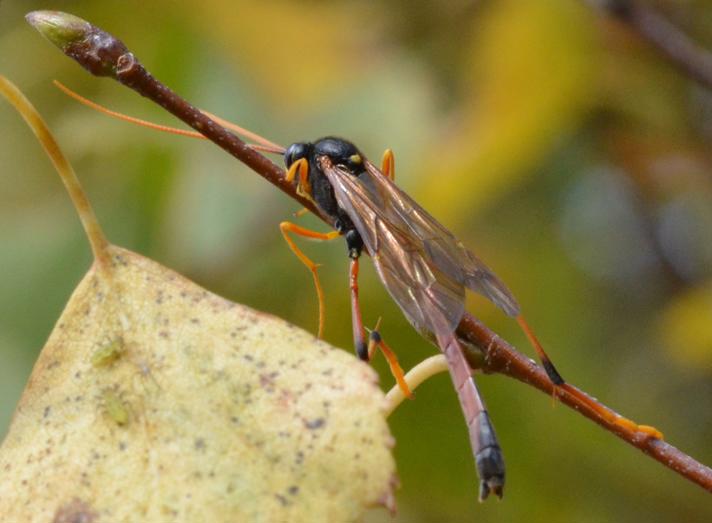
(104, 55)
(679, 49)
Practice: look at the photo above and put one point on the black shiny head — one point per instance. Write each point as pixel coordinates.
(295, 152)
(340, 152)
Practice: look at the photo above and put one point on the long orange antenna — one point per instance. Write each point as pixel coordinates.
(262, 145)
(277, 149)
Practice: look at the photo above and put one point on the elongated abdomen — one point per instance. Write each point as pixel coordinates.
(483, 440)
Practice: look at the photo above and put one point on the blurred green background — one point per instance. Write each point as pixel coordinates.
(555, 143)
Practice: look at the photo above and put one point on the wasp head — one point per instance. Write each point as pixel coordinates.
(295, 152)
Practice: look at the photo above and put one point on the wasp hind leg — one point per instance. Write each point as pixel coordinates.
(288, 228)
(363, 350)
(561, 385)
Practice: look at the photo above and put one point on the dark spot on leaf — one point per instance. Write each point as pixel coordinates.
(282, 500)
(293, 490)
(315, 423)
(46, 411)
(267, 381)
(199, 444)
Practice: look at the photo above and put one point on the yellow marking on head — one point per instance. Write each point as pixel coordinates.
(355, 158)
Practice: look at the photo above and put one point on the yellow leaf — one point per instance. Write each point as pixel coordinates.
(155, 400)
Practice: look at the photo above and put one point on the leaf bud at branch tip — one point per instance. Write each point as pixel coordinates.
(94, 49)
(62, 29)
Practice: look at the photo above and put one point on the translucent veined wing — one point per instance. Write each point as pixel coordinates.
(423, 266)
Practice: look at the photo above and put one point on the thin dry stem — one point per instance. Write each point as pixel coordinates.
(96, 237)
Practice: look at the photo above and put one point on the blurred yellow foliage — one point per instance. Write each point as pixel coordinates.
(285, 58)
(686, 328)
(530, 82)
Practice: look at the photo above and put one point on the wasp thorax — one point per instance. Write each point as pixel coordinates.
(340, 152)
(295, 152)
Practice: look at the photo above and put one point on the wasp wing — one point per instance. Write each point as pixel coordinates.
(421, 263)
(443, 248)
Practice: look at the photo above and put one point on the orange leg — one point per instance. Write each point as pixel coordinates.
(561, 385)
(551, 371)
(388, 164)
(300, 168)
(288, 227)
(366, 352)
(356, 321)
(374, 341)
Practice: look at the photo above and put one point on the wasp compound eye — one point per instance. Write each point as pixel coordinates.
(295, 152)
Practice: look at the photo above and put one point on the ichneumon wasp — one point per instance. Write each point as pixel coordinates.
(423, 266)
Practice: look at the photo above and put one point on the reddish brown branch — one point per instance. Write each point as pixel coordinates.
(679, 49)
(104, 55)
(503, 358)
